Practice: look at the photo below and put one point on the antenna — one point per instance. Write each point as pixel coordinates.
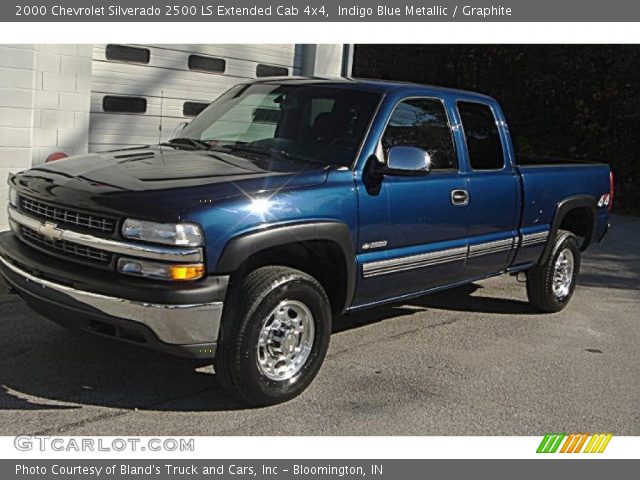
(161, 115)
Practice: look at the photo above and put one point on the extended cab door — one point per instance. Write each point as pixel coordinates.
(411, 236)
(493, 203)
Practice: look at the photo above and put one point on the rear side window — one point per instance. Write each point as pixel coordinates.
(422, 123)
(482, 136)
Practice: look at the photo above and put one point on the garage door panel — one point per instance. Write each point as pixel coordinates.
(285, 55)
(102, 139)
(179, 60)
(166, 83)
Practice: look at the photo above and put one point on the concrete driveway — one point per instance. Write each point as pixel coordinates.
(471, 361)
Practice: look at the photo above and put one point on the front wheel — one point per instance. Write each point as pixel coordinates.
(550, 285)
(274, 335)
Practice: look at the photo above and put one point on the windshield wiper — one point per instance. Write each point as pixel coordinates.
(266, 151)
(194, 143)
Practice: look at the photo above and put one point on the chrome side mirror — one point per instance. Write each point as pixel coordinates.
(407, 161)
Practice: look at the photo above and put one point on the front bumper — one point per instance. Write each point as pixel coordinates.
(178, 319)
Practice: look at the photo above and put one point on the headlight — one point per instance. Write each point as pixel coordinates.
(160, 271)
(179, 234)
(13, 197)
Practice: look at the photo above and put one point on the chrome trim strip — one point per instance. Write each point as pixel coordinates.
(401, 264)
(506, 243)
(413, 266)
(175, 324)
(393, 265)
(489, 252)
(534, 238)
(175, 254)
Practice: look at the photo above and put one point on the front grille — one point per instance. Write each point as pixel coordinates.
(65, 247)
(67, 216)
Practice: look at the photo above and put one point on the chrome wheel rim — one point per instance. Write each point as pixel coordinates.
(563, 274)
(285, 340)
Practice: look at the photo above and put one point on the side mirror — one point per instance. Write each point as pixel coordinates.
(176, 131)
(407, 162)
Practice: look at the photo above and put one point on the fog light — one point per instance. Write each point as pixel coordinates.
(160, 271)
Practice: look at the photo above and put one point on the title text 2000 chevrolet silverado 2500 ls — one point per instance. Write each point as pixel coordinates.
(285, 203)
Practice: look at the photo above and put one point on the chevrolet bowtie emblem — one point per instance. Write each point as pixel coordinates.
(50, 230)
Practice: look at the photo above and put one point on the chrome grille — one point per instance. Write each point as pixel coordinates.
(67, 216)
(65, 247)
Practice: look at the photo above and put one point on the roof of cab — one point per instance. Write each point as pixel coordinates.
(381, 86)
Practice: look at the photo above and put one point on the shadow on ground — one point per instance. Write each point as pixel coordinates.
(68, 368)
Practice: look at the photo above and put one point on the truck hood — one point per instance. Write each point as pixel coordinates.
(160, 182)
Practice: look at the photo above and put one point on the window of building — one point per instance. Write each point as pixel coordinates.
(111, 103)
(271, 71)
(207, 64)
(123, 53)
(192, 109)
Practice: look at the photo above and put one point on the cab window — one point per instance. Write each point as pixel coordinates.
(482, 136)
(422, 123)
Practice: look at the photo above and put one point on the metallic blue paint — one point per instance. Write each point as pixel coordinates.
(414, 215)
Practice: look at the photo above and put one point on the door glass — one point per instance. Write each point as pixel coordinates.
(423, 123)
(482, 136)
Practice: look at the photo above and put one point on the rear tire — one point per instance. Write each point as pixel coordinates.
(550, 285)
(274, 335)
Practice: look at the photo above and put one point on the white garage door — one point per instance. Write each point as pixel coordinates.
(140, 93)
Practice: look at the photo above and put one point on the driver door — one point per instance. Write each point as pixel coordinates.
(412, 230)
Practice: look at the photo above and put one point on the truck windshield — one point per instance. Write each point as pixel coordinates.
(322, 124)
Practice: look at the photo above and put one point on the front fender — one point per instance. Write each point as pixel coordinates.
(238, 250)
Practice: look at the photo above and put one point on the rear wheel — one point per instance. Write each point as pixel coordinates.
(274, 335)
(550, 285)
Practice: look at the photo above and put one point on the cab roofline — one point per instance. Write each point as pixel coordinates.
(382, 86)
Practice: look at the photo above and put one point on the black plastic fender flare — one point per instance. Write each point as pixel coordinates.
(578, 201)
(239, 249)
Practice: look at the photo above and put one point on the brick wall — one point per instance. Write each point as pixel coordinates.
(45, 93)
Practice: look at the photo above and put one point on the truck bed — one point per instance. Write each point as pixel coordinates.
(533, 160)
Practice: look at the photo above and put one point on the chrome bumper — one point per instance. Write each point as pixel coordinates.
(172, 324)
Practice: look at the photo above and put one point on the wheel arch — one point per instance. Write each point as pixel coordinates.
(576, 214)
(303, 246)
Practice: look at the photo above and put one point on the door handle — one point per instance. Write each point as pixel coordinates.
(459, 198)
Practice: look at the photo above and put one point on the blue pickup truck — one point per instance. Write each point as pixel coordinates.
(286, 203)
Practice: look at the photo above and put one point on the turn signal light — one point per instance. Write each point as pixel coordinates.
(161, 271)
(186, 272)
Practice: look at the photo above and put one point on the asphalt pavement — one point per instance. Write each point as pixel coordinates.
(476, 360)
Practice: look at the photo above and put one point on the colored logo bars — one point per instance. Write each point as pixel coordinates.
(574, 442)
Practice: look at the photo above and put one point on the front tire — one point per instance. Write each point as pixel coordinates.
(274, 335)
(550, 285)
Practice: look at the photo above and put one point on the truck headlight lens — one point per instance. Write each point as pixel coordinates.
(178, 234)
(13, 197)
(160, 271)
